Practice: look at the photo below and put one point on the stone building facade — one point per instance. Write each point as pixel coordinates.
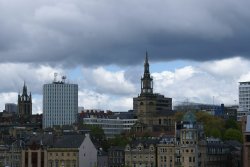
(72, 151)
(116, 156)
(35, 152)
(166, 152)
(141, 154)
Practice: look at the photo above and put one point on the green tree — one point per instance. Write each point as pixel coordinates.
(230, 123)
(215, 132)
(97, 134)
(213, 126)
(119, 140)
(233, 134)
(178, 116)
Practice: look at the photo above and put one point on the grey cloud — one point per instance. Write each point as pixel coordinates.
(93, 33)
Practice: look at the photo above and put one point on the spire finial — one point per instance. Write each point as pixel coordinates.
(146, 58)
(24, 88)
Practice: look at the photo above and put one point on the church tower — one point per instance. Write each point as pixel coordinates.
(152, 110)
(146, 80)
(24, 103)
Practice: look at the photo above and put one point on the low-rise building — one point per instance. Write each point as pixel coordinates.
(4, 158)
(35, 151)
(166, 152)
(235, 153)
(116, 157)
(141, 153)
(217, 153)
(112, 123)
(72, 151)
(102, 158)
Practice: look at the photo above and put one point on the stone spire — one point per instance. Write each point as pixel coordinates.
(146, 80)
(25, 90)
(146, 65)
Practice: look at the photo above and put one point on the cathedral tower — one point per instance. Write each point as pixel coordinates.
(24, 103)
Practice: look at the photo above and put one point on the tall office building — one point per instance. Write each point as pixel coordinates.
(10, 107)
(244, 99)
(60, 104)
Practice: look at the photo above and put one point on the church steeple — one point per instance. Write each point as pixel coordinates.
(146, 65)
(146, 80)
(25, 90)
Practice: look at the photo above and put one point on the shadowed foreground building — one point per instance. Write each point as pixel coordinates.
(68, 150)
(35, 152)
(116, 156)
(246, 140)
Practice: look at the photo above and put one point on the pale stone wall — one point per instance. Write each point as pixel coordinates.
(87, 153)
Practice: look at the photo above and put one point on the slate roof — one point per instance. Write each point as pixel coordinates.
(67, 127)
(234, 145)
(102, 153)
(116, 148)
(44, 139)
(145, 142)
(69, 141)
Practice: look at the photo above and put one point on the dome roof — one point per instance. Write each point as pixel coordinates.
(189, 117)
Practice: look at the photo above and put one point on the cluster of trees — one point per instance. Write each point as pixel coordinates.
(217, 127)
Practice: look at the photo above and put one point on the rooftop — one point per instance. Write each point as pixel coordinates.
(69, 141)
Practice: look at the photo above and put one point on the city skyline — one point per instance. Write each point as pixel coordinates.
(197, 50)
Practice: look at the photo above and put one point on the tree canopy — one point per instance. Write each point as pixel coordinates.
(233, 134)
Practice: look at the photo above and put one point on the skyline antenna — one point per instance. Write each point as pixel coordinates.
(55, 75)
(63, 78)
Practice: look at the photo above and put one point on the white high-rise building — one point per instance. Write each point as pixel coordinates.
(244, 99)
(60, 104)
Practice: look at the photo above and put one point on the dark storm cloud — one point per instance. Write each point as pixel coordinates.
(119, 32)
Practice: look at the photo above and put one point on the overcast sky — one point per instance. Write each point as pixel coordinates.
(197, 49)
